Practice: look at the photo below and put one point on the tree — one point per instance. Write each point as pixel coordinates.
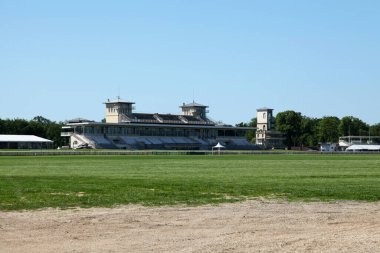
(289, 122)
(242, 124)
(2, 126)
(329, 129)
(41, 120)
(35, 128)
(53, 132)
(310, 128)
(251, 135)
(375, 130)
(252, 123)
(352, 126)
(17, 126)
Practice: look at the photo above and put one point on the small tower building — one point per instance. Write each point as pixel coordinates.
(265, 133)
(265, 120)
(195, 110)
(116, 110)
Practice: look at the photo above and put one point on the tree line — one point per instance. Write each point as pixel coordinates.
(38, 126)
(303, 131)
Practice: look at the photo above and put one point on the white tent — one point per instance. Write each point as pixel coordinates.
(218, 147)
(24, 141)
(22, 138)
(355, 148)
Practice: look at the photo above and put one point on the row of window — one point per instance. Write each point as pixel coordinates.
(122, 111)
(150, 131)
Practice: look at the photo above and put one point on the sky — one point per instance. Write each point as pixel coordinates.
(63, 59)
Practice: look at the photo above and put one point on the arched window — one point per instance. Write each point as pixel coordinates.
(264, 115)
(264, 127)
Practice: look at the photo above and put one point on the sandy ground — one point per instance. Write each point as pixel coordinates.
(252, 226)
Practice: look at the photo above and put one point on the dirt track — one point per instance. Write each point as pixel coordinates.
(252, 226)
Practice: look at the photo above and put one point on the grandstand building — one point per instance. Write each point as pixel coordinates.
(124, 129)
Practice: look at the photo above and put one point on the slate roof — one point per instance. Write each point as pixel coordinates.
(193, 104)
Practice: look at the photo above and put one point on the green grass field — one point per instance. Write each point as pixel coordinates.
(106, 181)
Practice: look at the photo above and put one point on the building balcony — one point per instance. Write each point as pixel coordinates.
(66, 134)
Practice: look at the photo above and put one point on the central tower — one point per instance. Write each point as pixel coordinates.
(194, 109)
(116, 109)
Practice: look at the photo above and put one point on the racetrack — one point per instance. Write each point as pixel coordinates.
(250, 226)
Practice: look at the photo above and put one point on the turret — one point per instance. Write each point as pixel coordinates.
(265, 120)
(116, 109)
(194, 109)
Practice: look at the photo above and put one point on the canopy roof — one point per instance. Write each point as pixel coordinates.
(118, 100)
(22, 138)
(364, 148)
(264, 109)
(218, 145)
(193, 104)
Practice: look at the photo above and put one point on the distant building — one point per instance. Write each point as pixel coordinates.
(347, 141)
(329, 147)
(266, 135)
(8, 141)
(195, 110)
(125, 129)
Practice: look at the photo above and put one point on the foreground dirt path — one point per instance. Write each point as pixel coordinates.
(252, 226)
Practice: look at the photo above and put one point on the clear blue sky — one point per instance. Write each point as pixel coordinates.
(62, 59)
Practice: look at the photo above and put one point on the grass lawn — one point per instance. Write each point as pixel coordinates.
(87, 181)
